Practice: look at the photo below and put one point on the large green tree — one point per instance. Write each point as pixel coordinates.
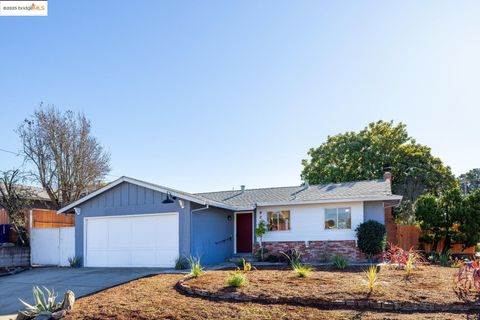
(363, 155)
(470, 181)
(449, 216)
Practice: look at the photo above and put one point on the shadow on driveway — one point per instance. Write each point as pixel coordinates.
(82, 281)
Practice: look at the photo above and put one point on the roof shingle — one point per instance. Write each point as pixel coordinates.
(332, 191)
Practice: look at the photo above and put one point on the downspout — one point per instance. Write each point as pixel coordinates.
(191, 221)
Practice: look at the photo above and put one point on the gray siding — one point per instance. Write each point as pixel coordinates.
(373, 210)
(129, 199)
(210, 227)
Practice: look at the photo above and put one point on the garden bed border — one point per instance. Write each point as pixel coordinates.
(363, 304)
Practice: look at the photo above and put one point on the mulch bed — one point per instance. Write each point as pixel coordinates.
(156, 298)
(429, 287)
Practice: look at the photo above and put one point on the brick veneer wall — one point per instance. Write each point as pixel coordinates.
(316, 250)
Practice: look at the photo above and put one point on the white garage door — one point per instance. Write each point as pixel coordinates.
(150, 240)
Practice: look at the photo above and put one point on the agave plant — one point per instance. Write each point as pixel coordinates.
(45, 303)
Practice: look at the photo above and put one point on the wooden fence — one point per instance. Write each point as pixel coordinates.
(407, 237)
(41, 218)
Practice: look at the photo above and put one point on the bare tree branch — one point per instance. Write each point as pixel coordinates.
(69, 161)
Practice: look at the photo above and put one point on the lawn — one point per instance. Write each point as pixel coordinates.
(156, 298)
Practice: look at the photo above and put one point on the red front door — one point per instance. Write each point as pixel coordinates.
(244, 232)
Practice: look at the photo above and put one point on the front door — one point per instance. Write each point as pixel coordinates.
(244, 232)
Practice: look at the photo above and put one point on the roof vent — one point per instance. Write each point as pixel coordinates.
(242, 188)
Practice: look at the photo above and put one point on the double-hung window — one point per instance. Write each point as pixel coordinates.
(278, 220)
(338, 218)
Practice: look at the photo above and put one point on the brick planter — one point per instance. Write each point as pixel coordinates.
(315, 250)
(355, 304)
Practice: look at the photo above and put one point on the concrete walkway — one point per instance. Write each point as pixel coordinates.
(81, 281)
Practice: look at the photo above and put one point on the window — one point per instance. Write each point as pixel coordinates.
(278, 220)
(338, 218)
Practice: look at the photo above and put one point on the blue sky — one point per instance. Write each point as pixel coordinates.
(209, 95)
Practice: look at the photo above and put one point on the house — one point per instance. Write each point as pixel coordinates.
(133, 223)
(39, 200)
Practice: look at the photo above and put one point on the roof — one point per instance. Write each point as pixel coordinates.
(156, 187)
(36, 193)
(334, 192)
(249, 199)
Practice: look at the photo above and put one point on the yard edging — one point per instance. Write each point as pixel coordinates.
(363, 304)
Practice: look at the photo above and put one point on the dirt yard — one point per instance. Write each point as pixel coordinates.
(156, 298)
(429, 284)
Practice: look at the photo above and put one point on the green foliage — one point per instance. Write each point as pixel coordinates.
(440, 216)
(196, 269)
(444, 259)
(236, 279)
(470, 220)
(339, 261)
(44, 304)
(245, 265)
(294, 257)
(371, 237)
(302, 271)
(372, 277)
(450, 216)
(261, 229)
(362, 155)
(181, 263)
(75, 262)
(470, 181)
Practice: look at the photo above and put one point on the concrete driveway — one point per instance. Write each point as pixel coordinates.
(81, 281)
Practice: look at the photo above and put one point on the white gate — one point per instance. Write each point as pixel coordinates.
(52, 246)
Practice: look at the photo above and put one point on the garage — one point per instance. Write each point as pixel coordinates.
(147, 240)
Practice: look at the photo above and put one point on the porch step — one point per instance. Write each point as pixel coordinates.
(238, 257)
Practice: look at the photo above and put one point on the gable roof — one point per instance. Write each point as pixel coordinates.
(249, 199)
(152, 186)
(370, 190)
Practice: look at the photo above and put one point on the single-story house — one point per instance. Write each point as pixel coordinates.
(133, 223)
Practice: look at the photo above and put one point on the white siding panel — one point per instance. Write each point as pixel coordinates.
(308, 222)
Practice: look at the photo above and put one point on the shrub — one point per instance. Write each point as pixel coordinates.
(181, 263)
(372, 277)
(244, 265)
(339, 261)
(302, 271)
(260, 232)
(294, 257)
(44, 305)
(467, 282)
(75, 262)
(196, 269)
(371, 237)
(236, 279)
(444, 259)
(403, 259)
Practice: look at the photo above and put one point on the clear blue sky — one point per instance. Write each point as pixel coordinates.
(208, 95)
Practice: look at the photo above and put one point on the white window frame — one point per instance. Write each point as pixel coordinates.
(336, 222)
(289, 220)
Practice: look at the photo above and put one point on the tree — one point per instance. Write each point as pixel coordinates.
(15, 198)
(470, 220)
(68, 160)
(440, 217)
(470, 181)
(363, 155)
